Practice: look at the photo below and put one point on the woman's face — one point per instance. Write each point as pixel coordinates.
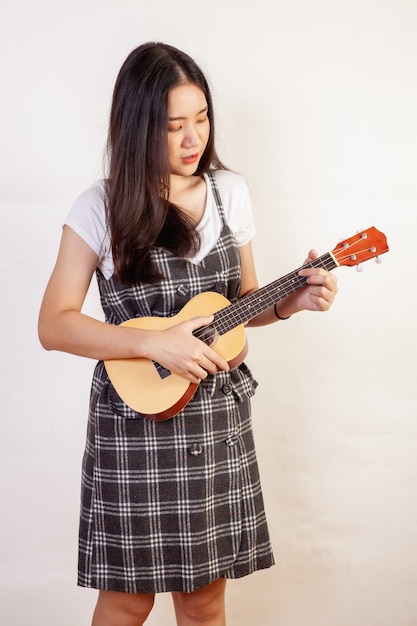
(188, 128)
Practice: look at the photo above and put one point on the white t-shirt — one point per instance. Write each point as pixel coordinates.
(88, 218)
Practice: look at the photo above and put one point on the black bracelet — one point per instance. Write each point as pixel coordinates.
(279, 316)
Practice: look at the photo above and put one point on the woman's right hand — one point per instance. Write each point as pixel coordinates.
(177, 349)
(62, 325)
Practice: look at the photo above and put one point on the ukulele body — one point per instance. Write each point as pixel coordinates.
(155, 392)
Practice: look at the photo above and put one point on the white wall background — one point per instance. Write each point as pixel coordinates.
(316, 106)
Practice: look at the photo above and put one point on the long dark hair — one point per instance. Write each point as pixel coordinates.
(139, 213)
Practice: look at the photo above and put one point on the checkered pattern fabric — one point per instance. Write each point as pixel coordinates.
(172, 505)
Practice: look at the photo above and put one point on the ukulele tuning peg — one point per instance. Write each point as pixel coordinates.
(359, 267)
(378, 259)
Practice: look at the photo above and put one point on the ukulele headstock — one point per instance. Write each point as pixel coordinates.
(367, 244)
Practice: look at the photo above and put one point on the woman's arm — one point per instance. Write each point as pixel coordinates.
(62, 325)
(317, 295)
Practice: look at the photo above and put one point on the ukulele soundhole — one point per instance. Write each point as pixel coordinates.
(208, 334)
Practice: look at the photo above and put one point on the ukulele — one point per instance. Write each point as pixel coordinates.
(158, 394)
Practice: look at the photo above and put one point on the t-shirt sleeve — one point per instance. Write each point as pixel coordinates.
(87, 218)
(245, 230)
(235, 194)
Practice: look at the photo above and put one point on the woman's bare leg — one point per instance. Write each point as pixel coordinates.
(115, 608)
(205, 606)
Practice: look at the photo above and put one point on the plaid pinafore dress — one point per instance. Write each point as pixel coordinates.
(172, 505)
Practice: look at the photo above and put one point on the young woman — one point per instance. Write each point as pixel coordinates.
(173, 505)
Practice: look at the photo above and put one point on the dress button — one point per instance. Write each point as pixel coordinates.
(219, 287)
(231, 440)
(182, 290)
(227, 389)
(195, 449)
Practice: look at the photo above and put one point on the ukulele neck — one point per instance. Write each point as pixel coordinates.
(251, 305)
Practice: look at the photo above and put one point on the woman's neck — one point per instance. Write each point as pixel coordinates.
(189, 193)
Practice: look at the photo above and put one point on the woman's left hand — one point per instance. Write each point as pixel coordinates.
(319, 292)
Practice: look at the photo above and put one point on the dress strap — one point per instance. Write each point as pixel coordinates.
(217, 196)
